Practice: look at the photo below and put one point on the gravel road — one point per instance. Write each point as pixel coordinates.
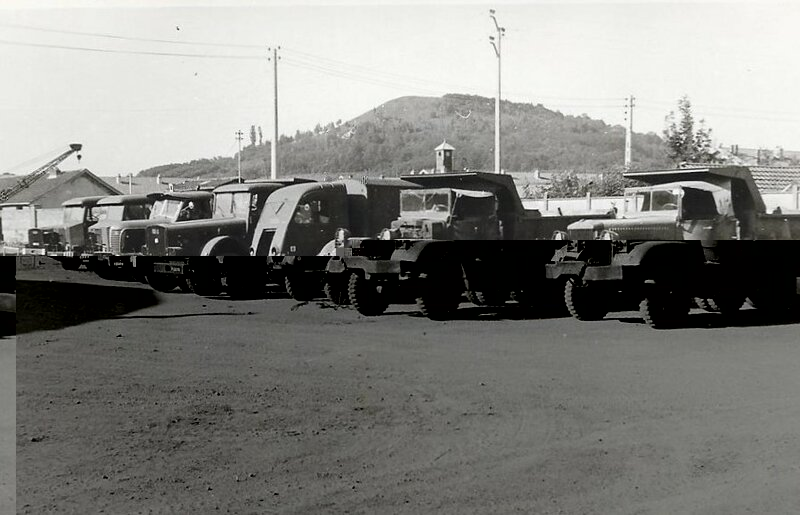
(130, 401)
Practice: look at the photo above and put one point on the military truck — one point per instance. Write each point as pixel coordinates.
(179, 251)
(295, 223)
(690, 235)
(433, 252)
(121, 235)
(69, 241)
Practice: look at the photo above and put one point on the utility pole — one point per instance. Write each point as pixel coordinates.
(629, 131)
(496, 43)
(274, 154)
(239, 155)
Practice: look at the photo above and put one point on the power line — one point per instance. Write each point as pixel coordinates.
(128, 38)
(129, 52)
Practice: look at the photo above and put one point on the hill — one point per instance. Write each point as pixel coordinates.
(401, 134)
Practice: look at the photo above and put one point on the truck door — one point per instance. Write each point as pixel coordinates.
(314, 222)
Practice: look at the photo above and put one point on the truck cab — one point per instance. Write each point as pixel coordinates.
(105, 235)
(69, 240)
(690, 210)
(128, 236)
(447, 214)
(299, 220)
(236, 208)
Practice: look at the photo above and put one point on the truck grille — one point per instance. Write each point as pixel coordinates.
(113, 241)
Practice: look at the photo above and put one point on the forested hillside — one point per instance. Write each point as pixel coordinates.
(401, 134)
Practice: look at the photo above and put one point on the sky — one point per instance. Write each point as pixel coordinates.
(143, 83)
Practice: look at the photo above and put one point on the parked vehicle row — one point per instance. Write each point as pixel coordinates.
(691, 237)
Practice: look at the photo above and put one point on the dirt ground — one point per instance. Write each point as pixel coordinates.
(129, 401)
(7, 424)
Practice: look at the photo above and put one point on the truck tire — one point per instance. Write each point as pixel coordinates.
(184, 285)
(583, 302)
(779, 298)
(725, 304)
(204, 285)
(439, 292)
(70, 263)
(488, 297)
(365, 297)
(302, 287)
(662, 309)
(164, 283)
(335, 289)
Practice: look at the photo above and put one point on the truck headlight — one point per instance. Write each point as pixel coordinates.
(560, 235)
(386, 234)
(608, 235)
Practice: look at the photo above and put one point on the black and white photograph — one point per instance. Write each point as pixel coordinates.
(399, 257)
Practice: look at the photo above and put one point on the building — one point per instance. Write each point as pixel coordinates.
(39, 204)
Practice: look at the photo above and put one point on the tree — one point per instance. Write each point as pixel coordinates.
(252, 135)
(684, 143)
(260, 137)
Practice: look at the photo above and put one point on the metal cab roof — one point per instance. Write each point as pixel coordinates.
(83, 201)
(181, 195)
(714, 175)
(258, 186)
(121, 200)
(501, 185)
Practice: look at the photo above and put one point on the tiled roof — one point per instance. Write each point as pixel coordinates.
(775, 178)
(768, 179)
(44, 185)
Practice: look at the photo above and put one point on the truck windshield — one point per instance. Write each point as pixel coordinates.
(166, 208)
(73, 214)
(662, 200)
(468, 206)
(424, 201)
(128, 212)
(232, 205)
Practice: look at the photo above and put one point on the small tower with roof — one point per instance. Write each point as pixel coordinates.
(444, 158)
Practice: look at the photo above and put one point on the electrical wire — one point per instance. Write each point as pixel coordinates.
(129, 38)
(130, 52)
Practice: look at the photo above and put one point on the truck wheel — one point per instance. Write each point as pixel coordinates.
(488, 297)
(162, 282)
(301, 287)
(104, 271)
(205, 285)
(704, 304)
(440, 294)
(70, 263)
(335, 289)
(583, 302)
(184, 285)
(663, 309)
(365, 297)
(778, 299)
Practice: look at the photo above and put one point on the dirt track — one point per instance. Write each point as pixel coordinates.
(174, 403)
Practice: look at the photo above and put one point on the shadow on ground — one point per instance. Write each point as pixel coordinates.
(743, 318)
(43, 305)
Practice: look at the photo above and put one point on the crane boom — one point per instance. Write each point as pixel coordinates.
(39, 172)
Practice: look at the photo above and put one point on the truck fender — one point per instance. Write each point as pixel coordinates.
(681, 262)
(425, 249)
(223, 245)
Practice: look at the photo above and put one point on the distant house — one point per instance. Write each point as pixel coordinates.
(39, 204)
